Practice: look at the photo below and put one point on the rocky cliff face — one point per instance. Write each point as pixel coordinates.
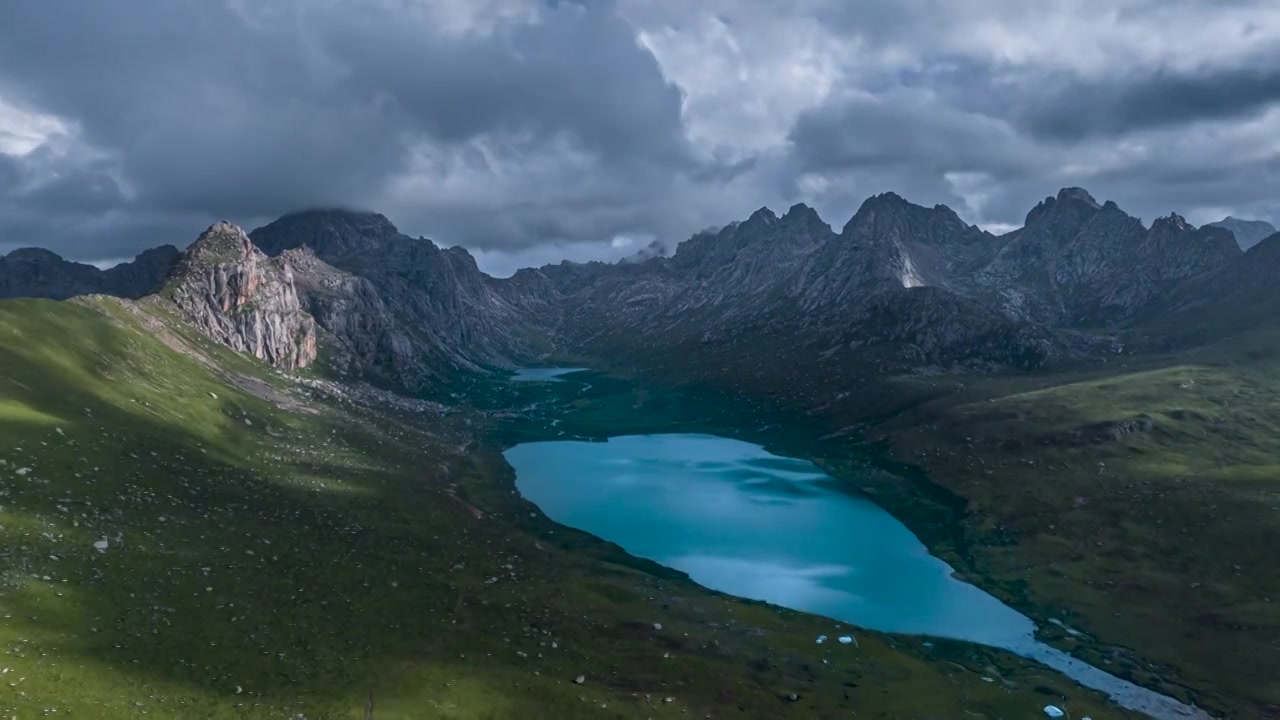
(33, 272)
(243, 299)
(403, 309)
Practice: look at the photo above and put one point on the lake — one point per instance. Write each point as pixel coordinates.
(741, 520)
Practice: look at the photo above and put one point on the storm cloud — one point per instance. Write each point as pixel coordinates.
(530, 130)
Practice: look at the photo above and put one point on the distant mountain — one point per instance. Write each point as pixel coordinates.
(1076, 262)
(900, 287)
(39, 273)
(1247, 232)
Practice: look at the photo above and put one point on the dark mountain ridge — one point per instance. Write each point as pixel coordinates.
(36, 272)
(900, 288)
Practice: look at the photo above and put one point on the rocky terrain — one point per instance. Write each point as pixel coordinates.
(35, 272)
(904, 287)
(401, 310)
(241, 298)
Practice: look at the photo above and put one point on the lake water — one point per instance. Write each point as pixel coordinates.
(543, 374)
(738, 519)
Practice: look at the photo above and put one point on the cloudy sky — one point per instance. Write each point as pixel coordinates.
(533, 130)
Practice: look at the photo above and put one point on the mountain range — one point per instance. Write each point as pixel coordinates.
(900, 288)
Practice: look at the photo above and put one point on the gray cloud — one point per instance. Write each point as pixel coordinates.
(906, 128)
(210, 113)
(529, 130)
(1079, 109)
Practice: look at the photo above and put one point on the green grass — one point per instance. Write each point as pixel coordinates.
(275, 552)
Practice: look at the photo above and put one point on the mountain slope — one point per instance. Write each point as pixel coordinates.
(32, 272)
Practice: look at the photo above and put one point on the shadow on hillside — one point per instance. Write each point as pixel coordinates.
(231, 567)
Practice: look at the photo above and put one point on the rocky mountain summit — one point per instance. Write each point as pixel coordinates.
(35, 272)
(1247, 232)
(238, 296)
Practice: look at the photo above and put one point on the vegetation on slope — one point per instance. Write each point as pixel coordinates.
(184, 533)
(1140, 504)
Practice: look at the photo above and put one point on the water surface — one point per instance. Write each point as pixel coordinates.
(738, 519)
(545, 374)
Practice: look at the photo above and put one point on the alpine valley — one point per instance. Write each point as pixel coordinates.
(263, 476)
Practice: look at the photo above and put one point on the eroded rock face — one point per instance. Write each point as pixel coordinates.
(402, 310)
(243, 299)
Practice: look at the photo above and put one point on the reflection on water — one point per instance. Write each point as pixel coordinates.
(743, 521)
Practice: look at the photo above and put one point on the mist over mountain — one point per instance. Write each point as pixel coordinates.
(1247, 232)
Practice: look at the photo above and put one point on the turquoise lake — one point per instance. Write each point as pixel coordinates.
(743, 521)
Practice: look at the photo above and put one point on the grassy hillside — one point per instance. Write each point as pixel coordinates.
(184, 533)
(1139, 502)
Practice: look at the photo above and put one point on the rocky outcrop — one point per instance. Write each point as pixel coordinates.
(240, 297)
(34, 272)
(402, 309)
(1246, 232)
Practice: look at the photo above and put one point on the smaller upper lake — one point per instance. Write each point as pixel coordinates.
(743, 521)
(543, 374)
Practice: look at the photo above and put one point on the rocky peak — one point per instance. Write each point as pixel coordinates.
(222, 242)
(762, 217)
(1078, 194)
(240, 297)
(333, 233)
(889, 217)
(801, 213)
(1171, 222)
(878, 206)
(34, 256)
(1071, 206)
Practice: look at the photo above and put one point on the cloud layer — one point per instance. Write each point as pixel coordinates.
(530, 130)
